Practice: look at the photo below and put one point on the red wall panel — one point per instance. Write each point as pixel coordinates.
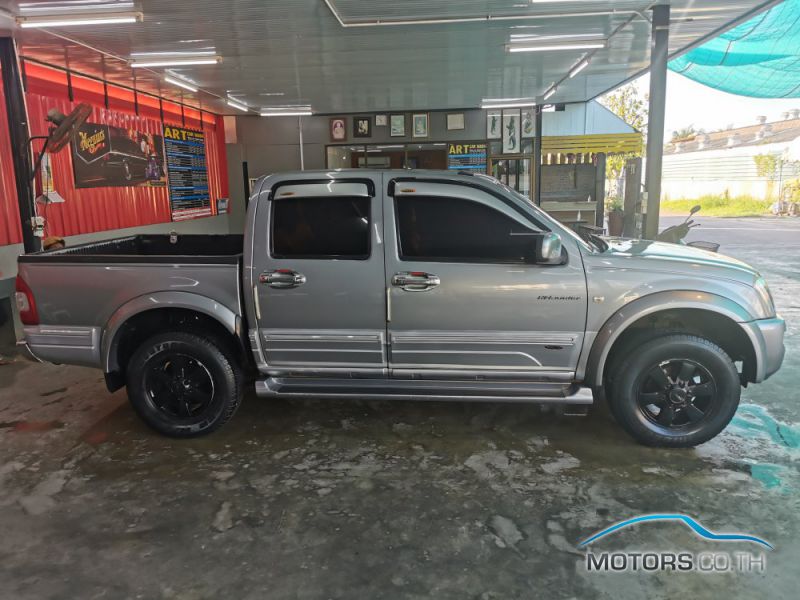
(45, 80)
(149, 106)
(10, 229)
(96, 209)
(89, 210)
(172, 113)
(217, 160)
(121, 99)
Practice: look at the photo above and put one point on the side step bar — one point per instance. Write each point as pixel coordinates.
(458, 391)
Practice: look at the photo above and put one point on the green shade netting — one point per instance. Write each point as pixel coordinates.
(759, 58)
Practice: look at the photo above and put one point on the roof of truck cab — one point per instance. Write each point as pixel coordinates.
(394, 173)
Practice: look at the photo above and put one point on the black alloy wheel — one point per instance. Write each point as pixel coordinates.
(676, 390)
(677, 393)
(184, 384)
(179, 385)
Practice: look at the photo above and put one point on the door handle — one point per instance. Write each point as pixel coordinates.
(415, 281)
(282, 278)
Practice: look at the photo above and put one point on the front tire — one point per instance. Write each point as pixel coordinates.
(184, 385)
(676, 391)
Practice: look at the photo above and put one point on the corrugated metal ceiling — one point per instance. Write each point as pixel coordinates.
(299, 49)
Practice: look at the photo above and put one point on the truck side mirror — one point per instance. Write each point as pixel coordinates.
(549, 250)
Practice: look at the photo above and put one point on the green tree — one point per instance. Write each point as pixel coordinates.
(767, 165)
(770, 166)
(685, 133)
(631, 107)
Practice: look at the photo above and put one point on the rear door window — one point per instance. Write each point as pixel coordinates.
(334, 227)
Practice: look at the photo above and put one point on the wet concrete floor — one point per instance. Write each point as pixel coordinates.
(312, 499)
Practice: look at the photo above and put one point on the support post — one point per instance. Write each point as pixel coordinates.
(246, 183)
(600, 190)
(302, 153)
(632, 204)
(18, 134)
(655, 121)
(537, 158)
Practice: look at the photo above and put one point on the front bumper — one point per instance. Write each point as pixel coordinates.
(769, 349)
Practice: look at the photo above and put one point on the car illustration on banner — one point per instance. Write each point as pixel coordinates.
(108, 156)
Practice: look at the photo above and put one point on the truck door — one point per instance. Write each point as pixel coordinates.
(465, 302)
(318, 274)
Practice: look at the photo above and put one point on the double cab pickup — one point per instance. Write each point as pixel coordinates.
(406, 285)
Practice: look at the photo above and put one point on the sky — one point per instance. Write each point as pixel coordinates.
(690, 103)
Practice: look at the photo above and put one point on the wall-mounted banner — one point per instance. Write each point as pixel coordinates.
(107, 156)
(187, 173)
(466, 156)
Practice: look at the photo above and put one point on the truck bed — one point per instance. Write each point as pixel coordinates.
(84, 292)
(189, 249)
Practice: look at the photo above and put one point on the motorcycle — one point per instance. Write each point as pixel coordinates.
(675, 234)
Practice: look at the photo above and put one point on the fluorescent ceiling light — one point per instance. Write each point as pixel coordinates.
(499, 100)
(533, 37)
(176, 62)
(237, 105)
(286, 113)
(180, 84)
(578, 68)
(272, 94)
(549, 93)
(501, 104)
(109, 18)
(180, 77)
(63, 7)
(554, 47)
(176, 53)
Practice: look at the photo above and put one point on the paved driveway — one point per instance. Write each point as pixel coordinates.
(308, 499)
(745, 233)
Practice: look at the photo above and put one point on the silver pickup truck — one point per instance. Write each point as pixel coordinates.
(406, 285)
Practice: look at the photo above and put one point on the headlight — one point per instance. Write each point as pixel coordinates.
(767, 303)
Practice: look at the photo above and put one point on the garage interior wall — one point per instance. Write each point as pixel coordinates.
(97, 213)
(271, 144)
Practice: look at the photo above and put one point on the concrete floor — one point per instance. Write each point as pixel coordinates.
(307, 499)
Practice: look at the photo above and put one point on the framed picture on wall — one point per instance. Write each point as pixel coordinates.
(493, 125)
(455, 121)
(381, 120)
(397, 125)
(419, 128)
(362, 127)
(528, 123)
(338, 131)
(511, 131)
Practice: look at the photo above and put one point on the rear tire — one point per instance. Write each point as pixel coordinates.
(183, 384)
(676, 391)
